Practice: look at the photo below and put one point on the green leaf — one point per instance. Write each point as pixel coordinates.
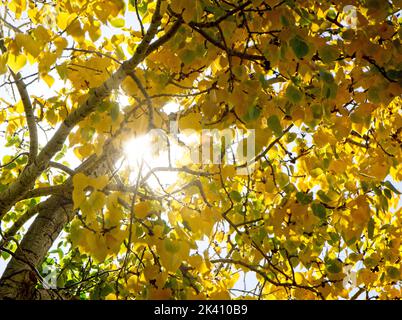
(319, 210)
(259, 237)
(326, 76)
(187, 56)
(107, 288)
(305, 17)
(331, 14)
(289, 188)
(390, 186)
(284, 21)
(365, 186)
(328, 54)
(304, 198)
(235, 195)
(5, 255)
(383, 203)
(373, 94)
(104, 106)
(394, 74)
(334, 237)
(370, 262)
(317, 111)
(393, 273)
(114, 111)
(387, 193)
(299, 46)
(282, 179)
(291, 136)
(377, 191)
(323, 196)
(329, 90)
(253, 113)
(275, 125)
(142, 7)
(62, 70)
(333, 266)
(293, 94)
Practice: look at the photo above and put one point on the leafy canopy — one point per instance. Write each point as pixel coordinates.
(318, 81)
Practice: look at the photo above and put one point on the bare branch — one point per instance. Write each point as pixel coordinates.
(61, 167)
(29, 115)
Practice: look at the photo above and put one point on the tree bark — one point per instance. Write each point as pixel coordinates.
(20, 277)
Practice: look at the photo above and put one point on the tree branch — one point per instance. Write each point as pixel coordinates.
(230, 51)
(12, 231)
(29, 115)
(27, 178)
(379, 68)
(27, 104)
(61, 167)
(230, 13)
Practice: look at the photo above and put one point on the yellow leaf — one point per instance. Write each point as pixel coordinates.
(97, 200)
(3, 116)
(361, 213)
(17, 6)
(99, 183)
(111, 296)
(46, 60)
(51, 117)
(129, 86)
(84, 151)
(3, 63)
(74, 29)
(190, 121)
(209, 108)
(60, 43)
(133, 283)
(159, 294)
(48, 79)
(117, 22)
(366, 277)
(80, 182)
(322, 138)
(142, 209)
(97, 246)
(28, 43)
(19, 107)
(63, 19)
(16, 63)
(114, 239)
(42, 34)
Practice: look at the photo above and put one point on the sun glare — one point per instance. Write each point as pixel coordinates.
(142, 153)
(146, 154)
(171, 107)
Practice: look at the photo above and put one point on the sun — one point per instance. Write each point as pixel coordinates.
(137, 150)
(147, 155)
(150, 152)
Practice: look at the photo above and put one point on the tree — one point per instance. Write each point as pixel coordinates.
(317, 214)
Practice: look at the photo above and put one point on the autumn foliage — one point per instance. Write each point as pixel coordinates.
(317, 216)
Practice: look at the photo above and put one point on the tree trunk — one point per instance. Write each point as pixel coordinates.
(20, 277)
